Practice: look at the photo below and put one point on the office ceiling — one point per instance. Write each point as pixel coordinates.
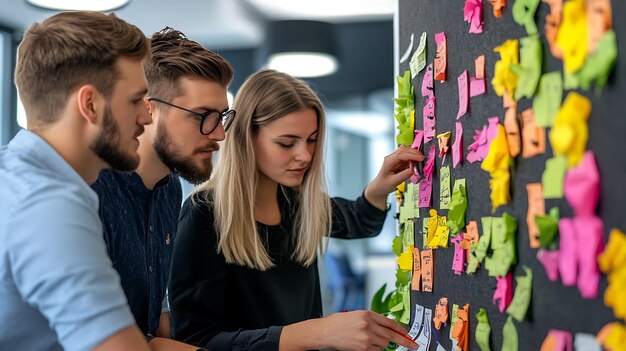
(235, 29)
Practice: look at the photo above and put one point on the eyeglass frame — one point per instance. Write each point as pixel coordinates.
(226, 117)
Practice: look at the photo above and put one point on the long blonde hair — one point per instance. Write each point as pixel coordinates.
(264, 97)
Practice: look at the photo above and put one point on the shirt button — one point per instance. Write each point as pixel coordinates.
(150, 268)
(150, 228)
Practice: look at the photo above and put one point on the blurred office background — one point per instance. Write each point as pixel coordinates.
(356, 38)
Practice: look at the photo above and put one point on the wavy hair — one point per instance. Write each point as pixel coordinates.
(265, 97)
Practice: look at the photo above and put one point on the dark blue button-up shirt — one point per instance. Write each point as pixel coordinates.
(139, 228)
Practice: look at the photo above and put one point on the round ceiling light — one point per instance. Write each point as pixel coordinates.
(79, 5)
(303, 64)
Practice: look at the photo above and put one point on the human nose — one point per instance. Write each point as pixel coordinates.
(303, 153)
(218, 133)
(144, 117)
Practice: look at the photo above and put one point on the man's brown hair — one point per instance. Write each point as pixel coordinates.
(174, 56)
(68, 50)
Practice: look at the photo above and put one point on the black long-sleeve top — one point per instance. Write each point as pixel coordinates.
(222, 306)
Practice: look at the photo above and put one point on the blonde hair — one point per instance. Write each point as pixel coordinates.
(68, 50)
(265, 97)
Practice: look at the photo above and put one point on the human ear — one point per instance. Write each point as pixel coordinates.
(88, 99)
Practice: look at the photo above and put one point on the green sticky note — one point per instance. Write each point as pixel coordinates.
(402, 277)
(529, 68)
(406, 300)
(599, 65)
(408, 235)
(548, 99)
(548, 228)
(425, 233)
(411, 200)
(483, 330)
(521, 299)
(453, 319)
(444, 188)
(405, 135)
(509, 336)
(458, 206)
(524, 14)
(553, 177)
(418, 60)
(485, 240)
(396, 245)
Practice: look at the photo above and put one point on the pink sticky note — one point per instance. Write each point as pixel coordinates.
(427, 82)
(582, 186)
(557, 340)
(550, 261)
(473, 14)
(426, 187)
(590, 243)
(458, 262)
(426, 184)
(482, 140)
(417, 141)
(429, 120)
(457, 147)
(504, 292)
(477, 86)
(567, 252)
(463, 94)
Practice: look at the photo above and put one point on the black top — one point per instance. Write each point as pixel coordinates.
(223, 306)
(139, 229)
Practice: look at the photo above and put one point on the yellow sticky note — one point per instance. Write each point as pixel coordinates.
(405, 261)
(497, 164)
(572, 36)
(569, 134)
(504, 79)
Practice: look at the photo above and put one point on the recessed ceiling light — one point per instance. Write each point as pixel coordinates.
(79, 5)
(325, 8)
(303, 64)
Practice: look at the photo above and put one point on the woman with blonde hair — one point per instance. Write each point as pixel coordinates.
(244, 267)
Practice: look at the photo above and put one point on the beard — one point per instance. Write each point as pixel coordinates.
(107, 145)
(185, 167)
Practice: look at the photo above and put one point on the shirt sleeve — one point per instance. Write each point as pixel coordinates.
(353, 219)
(61, 268)
(197, 289)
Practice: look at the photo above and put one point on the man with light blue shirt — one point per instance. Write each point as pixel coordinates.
(80, 77)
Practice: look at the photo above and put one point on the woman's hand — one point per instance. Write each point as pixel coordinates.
(396, 169)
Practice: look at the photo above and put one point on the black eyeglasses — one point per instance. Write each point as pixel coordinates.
(208, 120)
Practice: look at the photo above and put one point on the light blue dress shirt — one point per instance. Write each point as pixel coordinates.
(58, 288)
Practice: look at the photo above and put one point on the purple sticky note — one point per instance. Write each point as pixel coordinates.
(429, 120)
(463, 94)
(477, 86)
(457, 147)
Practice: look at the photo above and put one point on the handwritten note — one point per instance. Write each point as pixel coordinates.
(457, 147)
(417, 321)
(417, 270)
(463, 87)
(427, 270)
(458, 261)
(429, 120)
(423, 339)
(444, 188)
(418, 60)
(441, 57)
(441, 313)
(427, 82)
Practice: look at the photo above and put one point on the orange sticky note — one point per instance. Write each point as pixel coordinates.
(498, 5)
(553, 22)
(511, 126)
(507, 100)
(461, 328)
(471, 236)
(427, 270)
(417, 270)
(533, 137)
(441, 313)
(480, 66)
(598, 20)
(441, 57)
(536, 207)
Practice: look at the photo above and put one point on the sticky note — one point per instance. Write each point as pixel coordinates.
(457, 207)
(498, 5)
(569, 134)
(524, 14)
(510, 340)
(457, 147)
(458, 260)
(533, 137)
(548, 227)
(429, 119)
(405, 261)
(418, 60)
(443, 141)
(463, 88)
(427, 82)
(550, 261)
(548, 99)
(529, 69)
(441, 313)
(444, 188)
(504, 292)
(483, 330)
(586, 342)
(572, 35)
(536, 207)
(582, 186)
(553, 22)
(557, 340)
(511, 126)
(423, 339)
(441, 57)
(426, 183)
(497, 165)
(599, 65)
(417, 321)
(417, 270)
(427, 270)
(553, 177)
(473, 14)
(504, 79)
(521, 299)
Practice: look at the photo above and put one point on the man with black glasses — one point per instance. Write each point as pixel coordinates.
(187, 87)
